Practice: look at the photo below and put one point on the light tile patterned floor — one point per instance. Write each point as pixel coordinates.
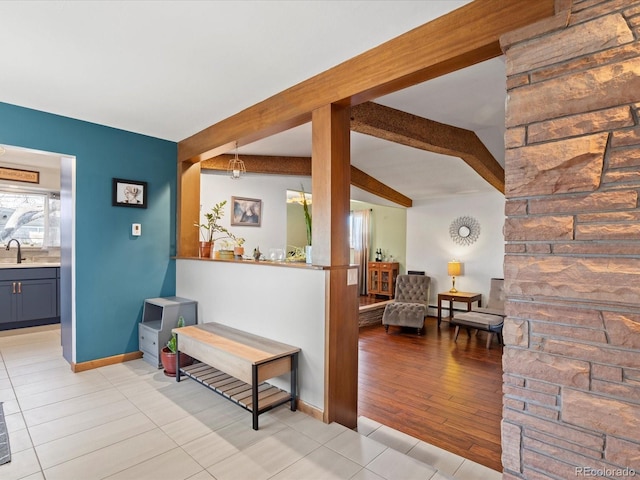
(129, 421)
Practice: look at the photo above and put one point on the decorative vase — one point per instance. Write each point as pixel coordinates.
(168, 359)
(307, 253)
(205, 249)
(238, 251)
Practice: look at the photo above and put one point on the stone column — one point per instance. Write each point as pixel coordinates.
(572, 264)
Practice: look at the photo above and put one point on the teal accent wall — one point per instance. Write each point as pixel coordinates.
(115, 271)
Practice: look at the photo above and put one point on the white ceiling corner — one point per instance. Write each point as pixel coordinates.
(170, 68)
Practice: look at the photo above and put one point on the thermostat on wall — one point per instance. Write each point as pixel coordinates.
(136, 229)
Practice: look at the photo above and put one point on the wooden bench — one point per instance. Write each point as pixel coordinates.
(235, 364)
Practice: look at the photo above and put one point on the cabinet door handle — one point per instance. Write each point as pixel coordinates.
(19, 287)
(14, 288)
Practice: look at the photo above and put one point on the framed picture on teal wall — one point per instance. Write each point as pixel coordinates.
(129, 193)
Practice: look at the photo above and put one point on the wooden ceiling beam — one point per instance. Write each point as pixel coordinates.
(463, 37)
(265, 164)
(418, 132)
(369, 184)
(395, 126)
(279, 165)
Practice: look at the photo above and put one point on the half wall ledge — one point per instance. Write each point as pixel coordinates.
(270, 263)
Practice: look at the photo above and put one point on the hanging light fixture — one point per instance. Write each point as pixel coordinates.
(236, 166)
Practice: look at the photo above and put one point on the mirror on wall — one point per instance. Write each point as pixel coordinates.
(296, 227)
(388, 226)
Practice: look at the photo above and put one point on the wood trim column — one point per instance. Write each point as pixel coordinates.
(330, 180)
(188, 209)
(330, 186)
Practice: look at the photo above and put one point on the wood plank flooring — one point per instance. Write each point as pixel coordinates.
(445, 393)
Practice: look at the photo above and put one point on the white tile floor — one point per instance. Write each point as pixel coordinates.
(129, 421)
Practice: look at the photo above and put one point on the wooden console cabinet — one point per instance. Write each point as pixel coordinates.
(382, 278)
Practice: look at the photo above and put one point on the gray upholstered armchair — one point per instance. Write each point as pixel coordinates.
(489, 319)
(409, 308)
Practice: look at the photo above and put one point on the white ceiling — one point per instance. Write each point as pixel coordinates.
(168, 69)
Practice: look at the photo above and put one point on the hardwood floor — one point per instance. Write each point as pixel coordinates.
(445, 393)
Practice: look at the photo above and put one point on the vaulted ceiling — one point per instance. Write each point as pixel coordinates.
(169, 69)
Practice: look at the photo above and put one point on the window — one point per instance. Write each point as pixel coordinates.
(31, 218)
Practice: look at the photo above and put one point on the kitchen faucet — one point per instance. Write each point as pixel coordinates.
(19, 251)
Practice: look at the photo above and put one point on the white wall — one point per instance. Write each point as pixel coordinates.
(389, 233)
(286, 304)
(271, 189)
(388, 223)
(429, 246)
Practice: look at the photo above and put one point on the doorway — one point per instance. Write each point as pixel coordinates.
(55, 174)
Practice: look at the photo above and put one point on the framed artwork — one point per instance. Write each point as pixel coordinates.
(18, 175)
(129, 193)
(246, 211)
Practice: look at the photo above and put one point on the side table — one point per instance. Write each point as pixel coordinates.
(463, 297)
(159, 316)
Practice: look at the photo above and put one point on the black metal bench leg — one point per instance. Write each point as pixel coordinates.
(294, 381)
(254, 395)
(177, 361)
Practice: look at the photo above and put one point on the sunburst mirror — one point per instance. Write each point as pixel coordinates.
(464, 230)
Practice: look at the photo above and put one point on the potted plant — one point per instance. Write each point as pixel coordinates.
(238, 250)
(168, 354)
(307, 221)
(209, 228)
(206, 235)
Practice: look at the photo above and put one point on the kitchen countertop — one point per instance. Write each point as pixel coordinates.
(4, 265)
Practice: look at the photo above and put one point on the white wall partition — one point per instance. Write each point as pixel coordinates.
(270, 189)
(283, 303)
(430, 247)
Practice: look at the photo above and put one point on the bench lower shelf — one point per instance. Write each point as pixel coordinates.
(236, 390)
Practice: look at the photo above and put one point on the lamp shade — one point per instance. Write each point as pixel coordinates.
(454, 268)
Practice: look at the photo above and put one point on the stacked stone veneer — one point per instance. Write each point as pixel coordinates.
(572, 266)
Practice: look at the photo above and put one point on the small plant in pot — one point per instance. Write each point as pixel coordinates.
(238, 250)
(168, 354)
(210, 228)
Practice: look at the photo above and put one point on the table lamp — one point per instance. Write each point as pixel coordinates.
(454, 269)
